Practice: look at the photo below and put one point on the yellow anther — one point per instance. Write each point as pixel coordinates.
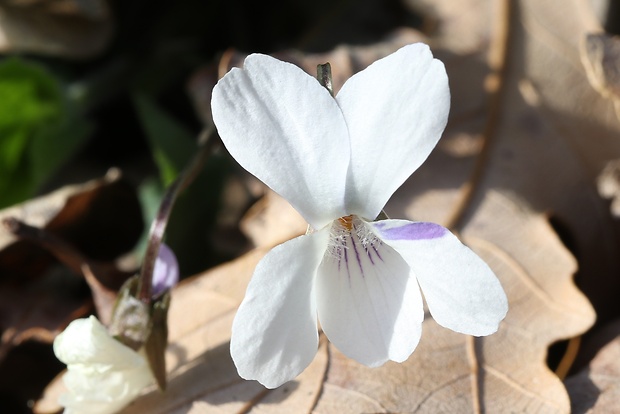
(346, 222)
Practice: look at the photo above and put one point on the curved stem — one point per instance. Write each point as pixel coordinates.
(207, 144)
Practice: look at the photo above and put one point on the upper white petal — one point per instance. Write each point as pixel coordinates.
(395, 110)
(274, 333)
(461, 291)
(369, 306)
(281, 125)
(86, 341)
(103, 375)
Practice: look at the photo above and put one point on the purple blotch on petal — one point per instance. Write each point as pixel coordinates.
(166, 272)
(411, 231)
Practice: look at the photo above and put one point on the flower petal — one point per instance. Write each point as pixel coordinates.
(462, 292)
(368, 304)
(396, 110)
(274, 333)
(166, 271)
(86, 341)
(282, 126)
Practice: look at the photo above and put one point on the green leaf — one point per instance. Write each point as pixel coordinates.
(39, 129)
(50, 148)
(171, 143)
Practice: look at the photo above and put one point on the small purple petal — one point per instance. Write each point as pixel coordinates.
(166, 272)
(411, 231)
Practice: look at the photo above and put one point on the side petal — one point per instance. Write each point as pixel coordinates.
(274, 333)
(369, 306)
(282, 126)
(462, 292)
(396, 110)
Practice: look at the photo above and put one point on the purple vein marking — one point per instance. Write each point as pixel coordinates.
(346, 258)
(368, 252)
(411, 231)
(377, 251)
(357, 255)
(365, 246)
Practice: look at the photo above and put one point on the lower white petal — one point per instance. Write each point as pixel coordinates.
(368, 305)
(274, 333)
(462, 292)
(102, 392)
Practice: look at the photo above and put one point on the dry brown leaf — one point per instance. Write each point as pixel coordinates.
(69, 28)
(540, 135)
(597, 388)
(101, 218)
(520, 86)
(41, 210)
(600, 55)
(448, 372)
(345, 59)
(272, 220)
(38, 300)
(520, 91)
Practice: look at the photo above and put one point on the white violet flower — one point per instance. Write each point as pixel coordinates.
(103, 375)
(338, 161)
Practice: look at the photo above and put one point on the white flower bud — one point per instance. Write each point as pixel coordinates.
(103, 375)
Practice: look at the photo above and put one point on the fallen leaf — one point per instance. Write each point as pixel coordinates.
(521, 93)
(448, 371)
(106, 207)
(600, 55)
(346, 59)
(68, 28)
(272, 220)
(596, 389)
(524, 117)
(48, 403)
(38, 299)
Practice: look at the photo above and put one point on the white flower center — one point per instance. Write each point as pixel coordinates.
(352, 243)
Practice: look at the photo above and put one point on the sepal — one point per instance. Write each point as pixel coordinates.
(130, 322)
(137, 324)
(155, 346)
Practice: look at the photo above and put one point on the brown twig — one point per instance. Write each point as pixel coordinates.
(495, 83)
